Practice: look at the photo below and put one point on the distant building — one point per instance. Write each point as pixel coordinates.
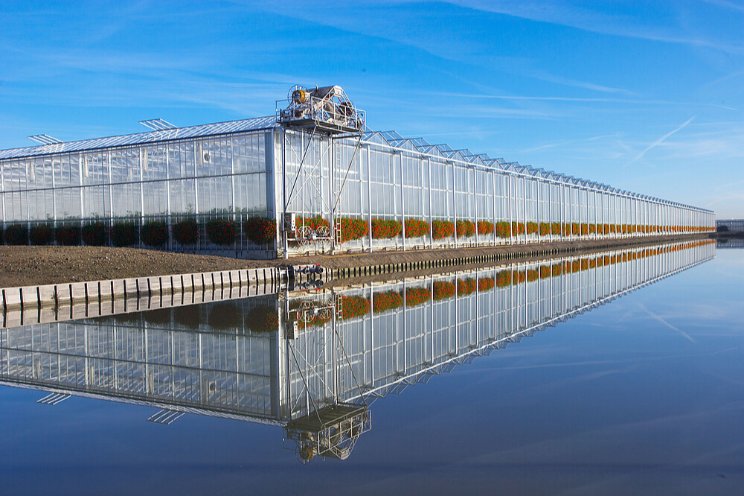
(730, 225)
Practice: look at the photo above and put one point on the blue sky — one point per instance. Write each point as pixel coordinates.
(645, 96)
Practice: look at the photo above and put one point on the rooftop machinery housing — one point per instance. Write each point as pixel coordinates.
(311, 178)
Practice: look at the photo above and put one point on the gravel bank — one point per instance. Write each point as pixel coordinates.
(32, 265)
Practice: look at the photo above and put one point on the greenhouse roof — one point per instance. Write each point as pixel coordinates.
(175, 133)
(163, 132)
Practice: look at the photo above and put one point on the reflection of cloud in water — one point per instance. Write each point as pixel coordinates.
(704, 316)
(665, 322)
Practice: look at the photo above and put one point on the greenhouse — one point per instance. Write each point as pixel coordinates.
(311, 178)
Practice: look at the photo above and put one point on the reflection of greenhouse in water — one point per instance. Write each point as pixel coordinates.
(310, 178)
(312, 363)
(730, 243)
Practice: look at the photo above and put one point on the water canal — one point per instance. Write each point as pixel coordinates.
(619, 372)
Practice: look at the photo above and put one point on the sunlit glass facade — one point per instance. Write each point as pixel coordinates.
(226, 188)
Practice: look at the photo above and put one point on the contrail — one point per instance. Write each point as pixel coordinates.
(662, 139)
(659, 318)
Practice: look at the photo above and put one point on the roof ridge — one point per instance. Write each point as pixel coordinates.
(210, 129)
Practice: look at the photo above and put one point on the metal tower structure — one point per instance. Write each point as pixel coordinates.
(317, 118)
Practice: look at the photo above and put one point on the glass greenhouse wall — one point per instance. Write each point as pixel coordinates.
(392, 334)
(225, 188)
(180, 189)
(382, 191)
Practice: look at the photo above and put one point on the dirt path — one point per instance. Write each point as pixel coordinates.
(32, 265)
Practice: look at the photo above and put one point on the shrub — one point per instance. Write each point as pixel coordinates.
(353, 228)
(566, 229)
(67, 235)
(94, 234)
(386, 228)
(584, 229)
(223, 315)
(485, 227)
(518, 277)
(262, 318)
(544, 271)
(443, 290)
(592, 228)
(486, 284)
(416, 228)
(260, 230)
(124, 233)
(188, 316)
(517, 228)
(16, 234)
(532, 228)
(417, 296)
(41, 234)
(575, 229)
(503, 229)
(160, 317)
(442, 229)
(532, 275)
(313, 222)
(556, 269)
(186, 231)
(221, 231)
(387, 300)
(354, 306)
(307, 318)
(466, 286)
(465, 228)
(154, 233)
(555, 228)
(544, 229)
(503, 278)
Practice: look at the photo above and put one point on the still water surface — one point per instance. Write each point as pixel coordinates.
(613, 373)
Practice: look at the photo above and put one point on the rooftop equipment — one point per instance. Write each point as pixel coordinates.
(326, 108)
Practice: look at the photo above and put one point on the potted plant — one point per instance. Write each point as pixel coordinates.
(94, 234)
(186, 231)
(154, 233)
(67, 235)
(124, 233)
(41, 234)
(221, 231)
